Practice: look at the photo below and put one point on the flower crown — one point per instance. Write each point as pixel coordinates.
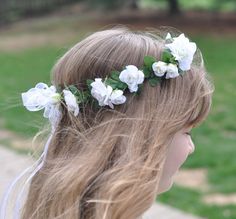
(176, 58)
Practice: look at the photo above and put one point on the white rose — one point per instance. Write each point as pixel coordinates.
(159, 68)
(183, 51)
(71, 102)
(105, 94)
(42, 96)
(39, 97)
(172, 71)
(132, 77)
(116, 97)
(101, 92)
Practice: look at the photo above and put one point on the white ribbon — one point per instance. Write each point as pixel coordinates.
(39, 163)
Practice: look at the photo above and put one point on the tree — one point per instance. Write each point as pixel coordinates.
(174, 8)
(114, 4)
(219, 4)
(173, 5)
(133, 4)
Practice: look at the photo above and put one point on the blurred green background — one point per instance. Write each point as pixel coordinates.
(34, 34)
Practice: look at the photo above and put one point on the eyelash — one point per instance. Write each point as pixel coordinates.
(189, 133)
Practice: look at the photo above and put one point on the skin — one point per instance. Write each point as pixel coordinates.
(180, 148)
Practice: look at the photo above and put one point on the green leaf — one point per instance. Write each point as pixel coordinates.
(89, 81)
(59, 89)
(83, 96)
(86, 93)
(121, 85)
(140, 89)
(111, 82)
(115, 75)
(149, 60)
(95, 104)
(146, 71)
(73, 89)
(166, 56)
(154, 81)
(173, 61)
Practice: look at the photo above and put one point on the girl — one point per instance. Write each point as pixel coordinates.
(122, 107)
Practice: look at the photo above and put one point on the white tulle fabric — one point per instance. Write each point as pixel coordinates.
(32, 170)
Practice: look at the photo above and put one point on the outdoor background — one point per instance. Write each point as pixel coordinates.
(34, 34)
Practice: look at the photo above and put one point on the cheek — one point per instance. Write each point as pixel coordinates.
(183, 151)
(182, 155)
(175, 160)
(177, 154)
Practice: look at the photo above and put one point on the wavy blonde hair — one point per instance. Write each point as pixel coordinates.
(106, 163)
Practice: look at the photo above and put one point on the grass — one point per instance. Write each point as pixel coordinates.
(190, 201)
(205, 5)
(214, 139)
(19, 72)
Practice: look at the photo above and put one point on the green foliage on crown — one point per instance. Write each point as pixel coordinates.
(148, 72)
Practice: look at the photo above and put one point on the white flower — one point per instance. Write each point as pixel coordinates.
(42, 96)
(39, 97)
(116, 97)
(159, 68)
(132, 77)
(71, 102)
(100, 91)
(183, 51)
(105, 94)
(172, 71)
(168, 36)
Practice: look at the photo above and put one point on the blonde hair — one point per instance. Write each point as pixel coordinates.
(106, 163)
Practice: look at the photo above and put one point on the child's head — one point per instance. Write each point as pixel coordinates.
(110, 163)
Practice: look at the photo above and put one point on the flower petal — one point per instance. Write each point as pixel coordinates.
(132, 68)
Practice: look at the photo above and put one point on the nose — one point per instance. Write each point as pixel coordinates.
(192, 147)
